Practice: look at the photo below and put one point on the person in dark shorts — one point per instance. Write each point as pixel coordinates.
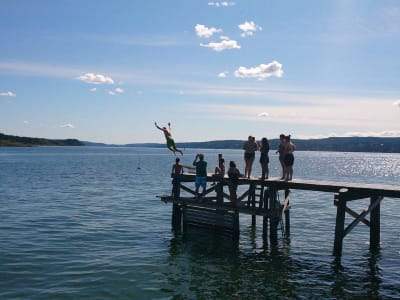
(233, 174)
(264, 158)
(176, 174)
(288, 158)
(250, 147)
(281, 151)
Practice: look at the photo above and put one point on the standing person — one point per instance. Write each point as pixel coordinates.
(176, 174)
(201, 173)
(264, 158)
(281, 151)
(289, 158)
(250, 147)
(168, 136)
(233, 174)
(220, 169)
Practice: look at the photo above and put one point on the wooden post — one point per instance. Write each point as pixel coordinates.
(219, 214)
(253, 204)
(339, 228)
(374, 233)
(176, 208)
(265, 219)
(287, 212)
(274, 219)
(176, 216)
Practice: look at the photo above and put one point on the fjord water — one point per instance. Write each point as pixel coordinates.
(85, 223)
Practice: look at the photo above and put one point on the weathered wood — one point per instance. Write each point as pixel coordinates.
(200, 202)
(271, 211)
(176, 216)
(339, 227)
(273, 220)
(286, 211)
(375, 215)
(369, 190)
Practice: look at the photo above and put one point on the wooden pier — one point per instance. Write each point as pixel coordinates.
(261, 198)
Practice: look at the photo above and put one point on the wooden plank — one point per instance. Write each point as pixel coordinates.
(391, 191)
(225, 207)
(339, 227)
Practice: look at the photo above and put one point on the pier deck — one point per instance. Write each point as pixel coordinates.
(260, 198)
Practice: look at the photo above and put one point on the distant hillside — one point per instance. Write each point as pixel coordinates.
(18, 141)
(339, 144)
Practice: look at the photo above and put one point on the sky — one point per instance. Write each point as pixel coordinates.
(105, 71)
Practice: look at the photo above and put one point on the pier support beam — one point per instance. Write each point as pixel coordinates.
(274, 219)
(375, 223)
(176, 216)
(339, 227)
(286, 210)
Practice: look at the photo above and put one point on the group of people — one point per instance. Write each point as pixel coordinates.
(286, 158)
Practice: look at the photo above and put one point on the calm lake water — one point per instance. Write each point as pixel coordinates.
(85, 223)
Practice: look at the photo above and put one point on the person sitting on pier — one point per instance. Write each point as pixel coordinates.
(201, 173)
(176, 174)
(219, 171)
(168, 136)
(233, 174)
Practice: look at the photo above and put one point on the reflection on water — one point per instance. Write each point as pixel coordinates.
(84, 223)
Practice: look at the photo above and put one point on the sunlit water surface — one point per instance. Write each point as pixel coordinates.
(85, 223)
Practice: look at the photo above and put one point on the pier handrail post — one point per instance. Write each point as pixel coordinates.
(375, 224)
(340, 219)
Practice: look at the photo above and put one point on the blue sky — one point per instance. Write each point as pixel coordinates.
(105, 71)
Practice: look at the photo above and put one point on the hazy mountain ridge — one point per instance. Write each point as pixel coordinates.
(339, 144)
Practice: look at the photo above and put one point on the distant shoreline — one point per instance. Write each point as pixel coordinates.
(335, 144)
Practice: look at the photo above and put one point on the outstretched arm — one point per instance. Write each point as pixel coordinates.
(155, 123)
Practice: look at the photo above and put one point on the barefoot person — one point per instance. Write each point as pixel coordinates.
(281, 151)
(233, 174)
(288, 158)
(264, 158)
(250, 147)
(219, 171)
(176, 174)
(168, 136)
(201, 173)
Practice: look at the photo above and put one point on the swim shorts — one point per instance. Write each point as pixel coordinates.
(200, 181)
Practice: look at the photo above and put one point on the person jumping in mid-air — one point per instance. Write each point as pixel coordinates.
(168, 136)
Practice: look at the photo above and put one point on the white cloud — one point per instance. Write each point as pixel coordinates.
(223, 74)
(67, 126)
(221, 4)
(248, 28)
(8, 94)
(119, 90)
(96, 78)
(261, 72)
(25, 122)
(93, 89)
(225, 44)
(397, 103)
(112, 93)
(205, 32)
(263, 114)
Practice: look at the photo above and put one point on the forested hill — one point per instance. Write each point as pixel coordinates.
(340, 144)
(18, 141)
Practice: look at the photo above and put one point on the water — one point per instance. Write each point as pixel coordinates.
(84, 223)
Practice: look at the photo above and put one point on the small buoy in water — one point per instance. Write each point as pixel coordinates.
(139, 168)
